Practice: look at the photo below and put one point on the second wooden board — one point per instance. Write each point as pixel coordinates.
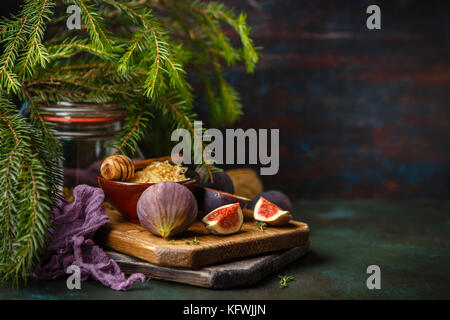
(240, 273)
(135, 240)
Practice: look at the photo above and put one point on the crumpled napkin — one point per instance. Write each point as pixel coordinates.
(73, 228)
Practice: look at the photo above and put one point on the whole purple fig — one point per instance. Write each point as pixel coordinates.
(221, 180)
(166, 209)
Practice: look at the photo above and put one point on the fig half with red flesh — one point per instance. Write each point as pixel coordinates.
(270, 213)
(213, 199)
(227, 219)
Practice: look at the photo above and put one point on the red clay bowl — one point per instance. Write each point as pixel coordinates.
(125, 195)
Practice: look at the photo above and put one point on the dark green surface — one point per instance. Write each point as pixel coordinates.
(410, 241)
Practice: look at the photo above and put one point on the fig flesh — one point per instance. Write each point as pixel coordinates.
(167, 209)
(270, 213)
(227, 219)
(275, 196)
(212, 199)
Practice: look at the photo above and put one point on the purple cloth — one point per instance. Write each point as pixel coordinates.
(73, 227)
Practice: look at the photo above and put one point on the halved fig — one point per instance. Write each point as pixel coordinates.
(212, 199)
(227, 219)
(274, 196)
(270, 213)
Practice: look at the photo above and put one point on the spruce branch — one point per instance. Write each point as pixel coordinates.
(24, 170)
(130, 133)
(74, 46)
(144, 67)
(182, 117)
(95, 24)
(9, 80)
(221, 12)
(134, 129)
(34, 52)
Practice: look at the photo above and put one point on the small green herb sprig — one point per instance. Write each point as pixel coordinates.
(284, 281)
(194, 241)
(261, 225)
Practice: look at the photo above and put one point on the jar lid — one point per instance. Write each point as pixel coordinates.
(67, 112)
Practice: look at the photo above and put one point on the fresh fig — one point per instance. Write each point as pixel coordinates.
(270, 213)
(275, 196)
(166, 209)
(212, 199)
(227, 219)
(221, 180)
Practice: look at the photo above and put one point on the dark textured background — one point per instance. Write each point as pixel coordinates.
(361, 113)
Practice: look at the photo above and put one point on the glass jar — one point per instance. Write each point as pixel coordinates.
(84, 131)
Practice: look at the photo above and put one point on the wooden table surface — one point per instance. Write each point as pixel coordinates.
(409, 241)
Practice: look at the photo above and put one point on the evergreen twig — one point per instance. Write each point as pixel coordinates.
(143, 67)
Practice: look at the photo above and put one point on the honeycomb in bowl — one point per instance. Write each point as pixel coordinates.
(159, 171)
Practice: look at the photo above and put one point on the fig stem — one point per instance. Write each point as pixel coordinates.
(165, 233)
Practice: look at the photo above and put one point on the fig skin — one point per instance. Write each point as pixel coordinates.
(221, 180)
(212, 199)
(167, 209)
(275, 196)
(280, 220)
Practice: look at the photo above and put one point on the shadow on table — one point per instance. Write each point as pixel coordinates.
(310, 259)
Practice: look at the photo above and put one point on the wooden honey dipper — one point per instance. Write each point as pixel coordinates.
(122, 168)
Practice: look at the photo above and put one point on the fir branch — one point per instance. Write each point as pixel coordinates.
(136, 45)
(127, 9)
(94, 21)
(136, 124)
(229, 98)
(221, 12)
(146, 73)
(130, 134)
(69, 49)
(35, 52)
(182, 116)
(154, 72)
(7, 79)
(23, 175)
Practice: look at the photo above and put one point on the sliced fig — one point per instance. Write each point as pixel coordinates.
(212, 199)
(227, 219)
(275, 196)
(270, 213)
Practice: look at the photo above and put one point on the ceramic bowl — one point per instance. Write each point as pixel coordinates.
(125, 195)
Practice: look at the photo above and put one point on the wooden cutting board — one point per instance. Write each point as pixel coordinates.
(241, 273)
(135, 240)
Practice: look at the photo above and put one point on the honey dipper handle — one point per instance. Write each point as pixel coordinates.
(117, 167)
